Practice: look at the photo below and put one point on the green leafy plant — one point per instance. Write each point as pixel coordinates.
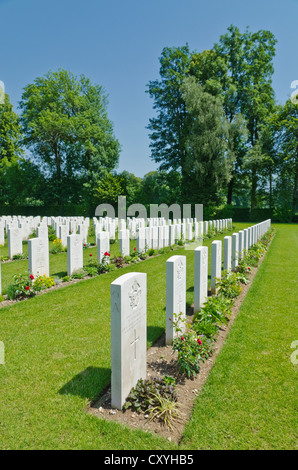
(57, 247)
(118, 261)
(166, 410)
(216, 310)
(229, 285)
(19, 256)
(80, 274)
(204, 327)
(22, 286)
(147, 394)
(43, 282)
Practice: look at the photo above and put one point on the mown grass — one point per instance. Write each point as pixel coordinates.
(57, 359)
(250, 400)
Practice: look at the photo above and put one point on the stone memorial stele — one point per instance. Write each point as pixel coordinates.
(227, 264)
(14, 240)
(103, 245)
(175, 292)
(215, 264)
(74, 253)
(38, 256)
(235, 250)
(128, 334)
(201, 277)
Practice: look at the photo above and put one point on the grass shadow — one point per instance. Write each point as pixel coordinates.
(153, 334)
(88, 384)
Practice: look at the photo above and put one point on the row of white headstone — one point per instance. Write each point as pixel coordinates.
(129, 305)
(154, 236)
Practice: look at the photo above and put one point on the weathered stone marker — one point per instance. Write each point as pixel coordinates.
(128, 334)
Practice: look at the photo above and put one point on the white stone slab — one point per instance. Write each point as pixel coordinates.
(128, 334)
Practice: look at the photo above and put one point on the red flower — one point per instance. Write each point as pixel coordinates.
(199, 342)
(27, 287)
(182, 338)
(31, 276)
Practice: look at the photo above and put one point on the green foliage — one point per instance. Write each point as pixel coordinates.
(57, 247)
(119, 261)
(66, 127)
(147, 393)
(43, 282)
(216, 310)
(19, 256)
(229, 285)
(22, 286)
(80, 274)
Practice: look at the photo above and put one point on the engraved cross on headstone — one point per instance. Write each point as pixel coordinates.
(134, 343)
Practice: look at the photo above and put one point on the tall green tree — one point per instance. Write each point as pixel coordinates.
(11, 150)
(67, 129)
(209, 162)
(169, 127)
(247, 89)
(285, 123)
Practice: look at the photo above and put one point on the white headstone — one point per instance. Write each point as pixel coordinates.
(175, 292)
(201, 277)
(128, 334)
(14, 239)
(235, 250)
(124, 242)
(74, 253)
(215, 264)
(227, 264)
(38, 256)
(103, 245)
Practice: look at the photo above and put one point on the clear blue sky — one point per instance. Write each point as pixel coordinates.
(117, 44)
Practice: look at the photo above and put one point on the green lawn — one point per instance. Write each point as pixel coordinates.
(57, 358)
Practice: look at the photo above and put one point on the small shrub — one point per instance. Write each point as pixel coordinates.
(91, 270)
(80, 274)
(57, 247)
(21, 286)
(43, 282)
(146, 394)
(216, 310)
(119, 261)
(204, 327)
(229, 285)
(19, 256)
